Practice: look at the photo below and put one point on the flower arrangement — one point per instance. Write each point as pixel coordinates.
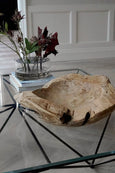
(42, 45)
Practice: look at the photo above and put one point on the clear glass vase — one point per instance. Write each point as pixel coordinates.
(32, 70)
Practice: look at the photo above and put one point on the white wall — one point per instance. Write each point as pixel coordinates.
(85, 27)
(50, 2)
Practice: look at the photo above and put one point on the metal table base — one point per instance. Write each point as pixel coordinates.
(88, 160)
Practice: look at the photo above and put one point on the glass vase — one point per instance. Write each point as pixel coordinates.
(32, 70)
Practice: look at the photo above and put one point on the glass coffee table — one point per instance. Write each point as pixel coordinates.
(28, 144)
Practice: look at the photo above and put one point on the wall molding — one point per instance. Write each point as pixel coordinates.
(78, 42)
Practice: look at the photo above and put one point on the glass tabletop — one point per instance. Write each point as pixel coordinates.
(28, 144)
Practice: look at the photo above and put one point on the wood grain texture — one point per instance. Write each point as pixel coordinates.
(72, 99)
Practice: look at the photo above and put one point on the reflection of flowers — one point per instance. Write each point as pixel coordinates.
(43, 45)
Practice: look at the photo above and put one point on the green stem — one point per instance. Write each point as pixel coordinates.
(40, 64)
(22, 47)
(15, 50)
(37, 62)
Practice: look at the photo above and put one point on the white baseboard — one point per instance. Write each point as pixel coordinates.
(80, 54)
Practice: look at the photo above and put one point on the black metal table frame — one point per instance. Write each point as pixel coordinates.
(65, 164)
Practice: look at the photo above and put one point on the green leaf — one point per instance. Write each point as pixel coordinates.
(34, 49)
(27, 51)
(35, 44)
(28, 44)
(31, 50)
(6, 26)
(31, 47)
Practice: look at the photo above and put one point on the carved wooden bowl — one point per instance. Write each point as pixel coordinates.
(72, 99)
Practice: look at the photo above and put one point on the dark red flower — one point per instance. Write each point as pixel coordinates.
(42, 37)
(34, 39)
(39, 32)
(17, 16)
(19, 39)
(52, 44)
(45, 33)
(46, 43)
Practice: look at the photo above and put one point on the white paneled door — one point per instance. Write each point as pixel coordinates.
(85, 30)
